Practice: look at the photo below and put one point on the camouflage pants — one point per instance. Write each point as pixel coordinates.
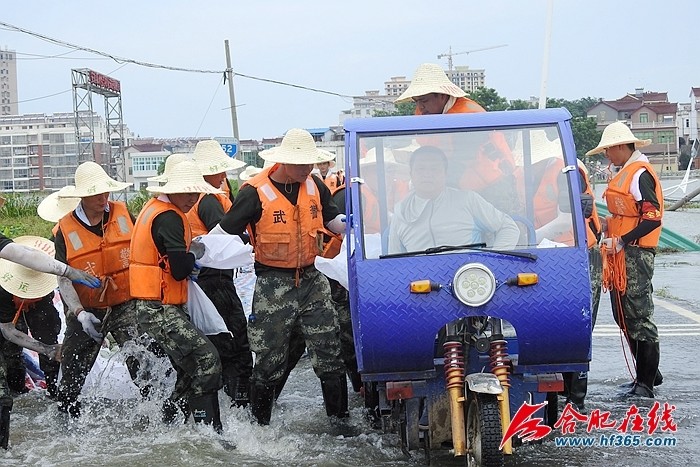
(637, 302)
(193, 356)
(280, 307)
(80, 351)
(595, 273)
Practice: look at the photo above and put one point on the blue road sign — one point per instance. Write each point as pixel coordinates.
(230, 149)
(228, 144)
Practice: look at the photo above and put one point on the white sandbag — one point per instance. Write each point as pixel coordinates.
(224, 252)
(202, 311)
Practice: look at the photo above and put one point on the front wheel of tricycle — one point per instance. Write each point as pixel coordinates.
(483, 429)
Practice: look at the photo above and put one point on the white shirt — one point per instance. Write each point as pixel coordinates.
(453, 218)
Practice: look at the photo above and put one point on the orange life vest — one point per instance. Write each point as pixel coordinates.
(331, 181)
(106, 257)
(331, 248)
(625, 210)
(287, 236)
(198, 227)
(593, 225)
(150, 281)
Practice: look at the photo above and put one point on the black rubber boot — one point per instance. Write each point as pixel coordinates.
(205, 409)
(51, 378)
(647, 365)
(71, 407)
(262, 397)
(172, 407)
(241, 394)
(576, 387)
(335, 396)
(658, 378)
(5, 424)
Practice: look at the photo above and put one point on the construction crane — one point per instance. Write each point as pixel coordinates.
(449, 54)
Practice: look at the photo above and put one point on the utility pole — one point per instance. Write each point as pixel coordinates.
(545, 59)
(232, 97)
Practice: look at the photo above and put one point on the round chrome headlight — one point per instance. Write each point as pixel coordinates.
(474, 284)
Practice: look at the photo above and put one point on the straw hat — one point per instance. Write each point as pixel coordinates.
(249, 172)
(22, 281)
(54, 207)
(171, 161)
(185, 177)
(430, 78)
(617, 133)
(211, 158)
(91, 179)
(370, 158)
(298, 147)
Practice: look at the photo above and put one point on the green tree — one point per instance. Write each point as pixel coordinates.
(404, 108)
(489, 99)
(586, 137)
(519, 104)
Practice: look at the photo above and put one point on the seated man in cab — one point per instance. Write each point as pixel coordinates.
(434, 214)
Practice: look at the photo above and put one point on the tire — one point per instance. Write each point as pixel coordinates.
(483, 429)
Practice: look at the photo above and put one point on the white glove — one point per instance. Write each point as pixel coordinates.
(88, 320)
(337, 225)
(81, 277)
(197, 249)
(613, 245)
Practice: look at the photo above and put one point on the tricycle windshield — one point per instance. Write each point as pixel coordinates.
(504, 189)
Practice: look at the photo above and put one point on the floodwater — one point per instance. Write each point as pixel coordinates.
(129, 432)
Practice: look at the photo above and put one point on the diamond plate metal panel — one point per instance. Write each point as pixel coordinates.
(395, 330)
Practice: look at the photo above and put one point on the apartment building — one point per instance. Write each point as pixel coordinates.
(40, 151)
(8, 82)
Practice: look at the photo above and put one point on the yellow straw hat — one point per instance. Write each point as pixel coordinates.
(249, 172)
(53, 207)
(91, 179)
(430, 78)
(617, 133)
(184, 178)
(171, 161)
(211, 158)
(23, 282)
(297, 148)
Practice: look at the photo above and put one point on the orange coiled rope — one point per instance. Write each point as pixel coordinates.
(614, 270)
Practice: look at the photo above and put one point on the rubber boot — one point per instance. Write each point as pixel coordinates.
(241, 393)
(576, 388)
(51, 378)
(205, 409)
(647, 366)
(335, 396)
(171, 408)
(658, 378)
(262, 397)
(67, 406)
(5, 425)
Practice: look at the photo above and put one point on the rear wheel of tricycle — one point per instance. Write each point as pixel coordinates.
(483, 429)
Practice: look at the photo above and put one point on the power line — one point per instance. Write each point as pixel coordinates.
(124, 61)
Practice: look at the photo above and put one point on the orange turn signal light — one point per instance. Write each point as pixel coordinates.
(524, 279)
(424, 286)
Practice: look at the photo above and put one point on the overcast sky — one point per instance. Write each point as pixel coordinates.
(599, 48)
